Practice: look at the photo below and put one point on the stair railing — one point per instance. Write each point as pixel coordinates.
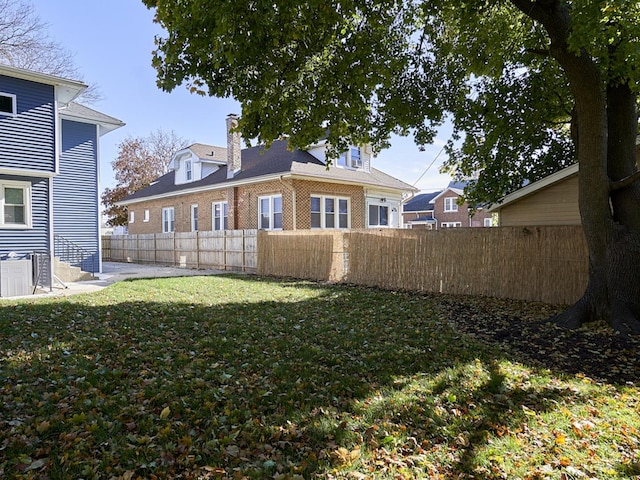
(70, 252)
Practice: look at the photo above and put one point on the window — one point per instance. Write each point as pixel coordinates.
(356, 159)
(270, 212)
(194, 218)
(378, 216)
(132, 217)
(146, 216)
(168, 220)
(220, 215)
(15, 204)
(450, 204)
(188, 171)
(488, 222)
(351, 158)
(450, 224)
(7, 104)
(329, 212)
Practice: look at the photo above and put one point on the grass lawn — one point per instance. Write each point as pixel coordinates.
(242, 377)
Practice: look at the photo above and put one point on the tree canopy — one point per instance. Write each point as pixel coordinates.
(530, 86)
(140, 161)
(25, 43)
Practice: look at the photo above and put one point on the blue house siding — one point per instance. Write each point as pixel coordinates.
(28, 139)
(75, 190)
(32, 239)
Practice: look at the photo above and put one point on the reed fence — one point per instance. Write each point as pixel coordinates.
(233, 250)
(547, 264)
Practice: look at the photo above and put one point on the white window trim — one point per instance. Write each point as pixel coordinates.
(194, 217)
(271, 211)
(14, 102)
(323, 216)
(168, 209)
(146, 215)
(488, 222)
(222, 215)
(132, 217)
(28, 217)
(188, 170)
(379, 204)
(451, 224)
(453, 207)
(348, 161)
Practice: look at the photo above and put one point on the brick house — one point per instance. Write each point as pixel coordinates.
(417, 212)
(216, 188)
(448, 214)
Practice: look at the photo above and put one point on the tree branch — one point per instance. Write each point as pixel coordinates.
(625, 182)
(539, 51)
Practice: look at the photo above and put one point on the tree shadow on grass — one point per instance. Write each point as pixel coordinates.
(301, 379)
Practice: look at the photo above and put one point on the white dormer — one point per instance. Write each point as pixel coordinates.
(355, 158)
(196, 162)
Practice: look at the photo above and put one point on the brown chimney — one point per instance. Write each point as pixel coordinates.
(234, 155)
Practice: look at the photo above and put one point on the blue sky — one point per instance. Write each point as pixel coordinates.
(112, 43)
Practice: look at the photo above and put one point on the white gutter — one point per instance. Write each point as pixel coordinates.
(252, 180)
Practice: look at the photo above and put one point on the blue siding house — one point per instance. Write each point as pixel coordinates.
(49, 177)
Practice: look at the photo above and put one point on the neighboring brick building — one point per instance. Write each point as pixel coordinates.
(449, 214)
(436, 210)
(215, 188)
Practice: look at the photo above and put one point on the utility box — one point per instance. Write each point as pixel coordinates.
(15, 275)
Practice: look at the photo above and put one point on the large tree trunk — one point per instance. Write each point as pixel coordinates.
(607, 123)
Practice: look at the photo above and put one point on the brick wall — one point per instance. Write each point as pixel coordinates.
(462, 215)
(305, 189)
(243, 206)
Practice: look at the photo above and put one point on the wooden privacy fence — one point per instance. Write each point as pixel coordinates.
(547, 264)
(233, 250)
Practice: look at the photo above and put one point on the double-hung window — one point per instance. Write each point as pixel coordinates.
(352, 158)
(270, 212)
(194, 218)
(146, 216)
(220, 216)
(329, 212)
(188, 170)
(132, 217)
(450, 204)
(15, 204)
(378, 215)
(168, 220)
(7, 104)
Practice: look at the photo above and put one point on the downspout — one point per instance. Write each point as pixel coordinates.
(293, 201)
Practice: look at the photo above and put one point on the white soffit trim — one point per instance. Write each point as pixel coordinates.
(457, 191)
(534, 187)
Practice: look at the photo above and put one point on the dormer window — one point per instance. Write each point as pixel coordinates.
(7, 104)
(356, 159)
(188, 171)
(352, 158)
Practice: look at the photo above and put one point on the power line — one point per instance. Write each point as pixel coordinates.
(430, 165)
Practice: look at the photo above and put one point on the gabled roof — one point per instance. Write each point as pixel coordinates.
(421, 203)
(66, 89)
(457, 191)
(260, 164)
(535, 186)
(209, 153)
(78, 112)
